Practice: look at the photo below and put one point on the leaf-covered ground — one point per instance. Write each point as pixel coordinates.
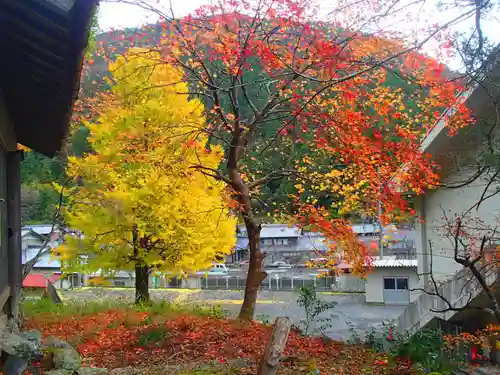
(118, 338)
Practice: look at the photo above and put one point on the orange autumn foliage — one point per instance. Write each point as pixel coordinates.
(112, 339)
(328, 90)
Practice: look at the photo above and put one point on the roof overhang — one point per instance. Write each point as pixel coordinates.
(43, 44)
(480, 99)
(31, 232)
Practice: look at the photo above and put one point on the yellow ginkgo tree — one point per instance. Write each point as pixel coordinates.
(137, 202)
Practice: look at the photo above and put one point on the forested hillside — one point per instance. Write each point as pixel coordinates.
(38, 172)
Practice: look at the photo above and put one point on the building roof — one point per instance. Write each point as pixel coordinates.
(279, 231)
(480, 101)
(39, 281)
(45, 260)
(43, 44)
(312, 242)
(393, 263)
(43, 229)
(273, 231)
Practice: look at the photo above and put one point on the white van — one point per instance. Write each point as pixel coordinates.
(216, 269)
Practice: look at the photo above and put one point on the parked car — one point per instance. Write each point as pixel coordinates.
(279, 264)
(300, 265)
(217, 269)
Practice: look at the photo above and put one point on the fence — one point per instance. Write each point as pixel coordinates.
(272, 282)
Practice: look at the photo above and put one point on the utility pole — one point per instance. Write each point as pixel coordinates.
(379, 217)
(381, 229)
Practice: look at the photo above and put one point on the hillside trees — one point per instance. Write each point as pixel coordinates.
(138, 202)
(308, 110)
(275, 81)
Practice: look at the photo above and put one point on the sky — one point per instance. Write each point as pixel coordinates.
(410, 21)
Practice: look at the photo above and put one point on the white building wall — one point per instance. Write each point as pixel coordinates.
(446, 203)
(30, 241)
(375, 282)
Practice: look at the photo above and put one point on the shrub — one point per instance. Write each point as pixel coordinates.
(426, 349)
(217, 311)
(153, 335)
(314, 307)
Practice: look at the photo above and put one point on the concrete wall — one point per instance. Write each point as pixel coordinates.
(375, 282)
(350, 283)
(441, 203)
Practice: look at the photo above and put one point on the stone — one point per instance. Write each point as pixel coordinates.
(239, 363)
(54, 342)
(58, 372)
(64, 356)
(52, 291)
(92, 371)
(67, 359)
(34, 336)
(18, 345)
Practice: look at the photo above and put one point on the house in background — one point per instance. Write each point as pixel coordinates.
(36, 284)
(393, 277)
(279, 242)
(392, 281)
(41, 238)
(118, 279)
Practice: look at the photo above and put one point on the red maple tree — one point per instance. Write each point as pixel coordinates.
(364, 102)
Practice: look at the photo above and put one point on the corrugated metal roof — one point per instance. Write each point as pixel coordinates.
(45, 261)
(43, 229)
(279, 231)
(395, 262)
(273, 231)
(312, 243)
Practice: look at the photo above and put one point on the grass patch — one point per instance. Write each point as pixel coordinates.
(34, 307)
(44, 306)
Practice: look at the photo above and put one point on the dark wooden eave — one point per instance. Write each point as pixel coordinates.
(43, 44)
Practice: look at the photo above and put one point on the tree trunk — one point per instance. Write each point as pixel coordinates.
(141, 283)
(277, 343)
(255, 273)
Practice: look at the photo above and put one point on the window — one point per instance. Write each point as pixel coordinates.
(282, 241)
(268, 242)
(402, 283)
(119, 283)
(389, 283)
(396, 283)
